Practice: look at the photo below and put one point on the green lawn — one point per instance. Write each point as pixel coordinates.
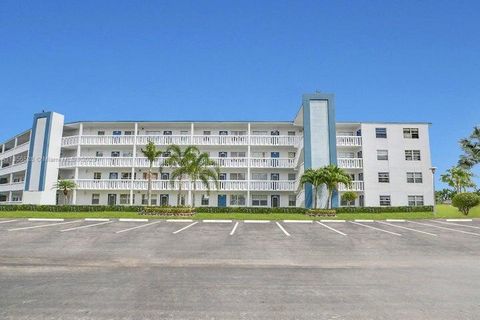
(442, 211)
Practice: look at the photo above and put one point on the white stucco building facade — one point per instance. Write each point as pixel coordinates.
(261, 162)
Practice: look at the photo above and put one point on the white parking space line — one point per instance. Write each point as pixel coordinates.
(297, 221)
(363, 220)
(45, 225)
(331, 220)
(96, 219)
(190, 225)
(401, 227)
(87, 226)
(457, 224)
(45, 219)
(333, 229)
(283, 229)
(138, 227)
(234, 228)
(460, 220)
(378, 229)
(395, 220)
(132, 220)
(217, 221)
(445, 228)
(7, 221)
(179, 220)
(256, 221)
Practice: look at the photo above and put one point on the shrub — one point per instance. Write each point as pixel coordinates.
(321, 212)
(384, 209)
(349, 196)
(465, 201)
(250, 210)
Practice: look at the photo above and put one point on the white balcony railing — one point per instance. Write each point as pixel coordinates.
(237, 162)
(263, 140)
(350, 163)
(349, 141)
(223, 185)
(356, 186)
(13, 186)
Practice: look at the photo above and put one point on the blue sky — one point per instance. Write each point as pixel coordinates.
(229, 60)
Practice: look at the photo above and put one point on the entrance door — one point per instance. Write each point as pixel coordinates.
(222, 200)
(275, 201)
(112, 199)
(275, 156)
(361, 200)
(164, 200)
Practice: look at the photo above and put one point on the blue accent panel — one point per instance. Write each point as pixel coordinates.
(48, 127)
(332, 139)
(307, 149)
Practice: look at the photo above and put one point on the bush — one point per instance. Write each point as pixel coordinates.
(349, 196)
(322, 212)
(465, 201)
(384, 209)
(250, 210)
(168, 211)
(80, 208)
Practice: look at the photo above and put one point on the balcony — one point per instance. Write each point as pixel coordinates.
(349, 141)
(14, 186)
(350, 163)
(356, 186)
(126, 162)
(167, 185)
(165, 140)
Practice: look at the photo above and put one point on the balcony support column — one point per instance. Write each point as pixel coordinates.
(134, 156)
(79, 152)
(248, 164)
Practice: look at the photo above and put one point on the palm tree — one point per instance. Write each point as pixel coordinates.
(315, 178)
(151, 153)
(179, 160)
(458, 178)
(471, 149)
(333, 176)
(65, 186)
(199, 167)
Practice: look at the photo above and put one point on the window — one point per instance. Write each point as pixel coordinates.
(99, 154)
(291, 133)
(164, 200)
(259, 133)
(259, 176)
(167, 133)
(95, 198)
(410, 133)
(238, 133)
(223, 133)
(238, 154)
(113, 175)
(128, 133)
(275, 133)
(145, 202)
(415, 201)
(237, 200)
(414, 177)
(292, 176)
(381, 133)
(259, 155)
(237, 176)
(385, 201)
(125, 198)
(291, 155)
(259, 200)
(292, 200)
(164, 176)
(205, 200)
(115, 154)
(126, 176)
(412, 155)
(117, 133)
(97, 175)
(127, 154)
(382, 154)
(383, 177)
(101, 133)
(183, 132)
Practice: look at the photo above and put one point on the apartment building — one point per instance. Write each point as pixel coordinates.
(261, 162)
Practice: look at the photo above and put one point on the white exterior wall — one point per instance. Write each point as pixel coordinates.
(397, 166)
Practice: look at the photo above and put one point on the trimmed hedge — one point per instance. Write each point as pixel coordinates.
(97, 208)
(168, 211)
(384, 209)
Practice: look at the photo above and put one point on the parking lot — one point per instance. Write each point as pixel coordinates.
(182, 269)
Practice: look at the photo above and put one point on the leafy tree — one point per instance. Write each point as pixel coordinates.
(465, 201)
(444, 195)
(179, 160)
(471, 149)
(333, 176)
(151, 153)
(65, 186)
(200, 168)
(458, 178)
(349, 197)
(313, 177)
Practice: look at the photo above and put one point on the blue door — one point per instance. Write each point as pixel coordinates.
(275, 156)
(222, 200)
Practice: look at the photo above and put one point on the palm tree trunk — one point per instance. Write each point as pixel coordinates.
(193, 194)
(315, 196)
(329, 201)
(149, 192)
(65, 199)
(179, 192)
